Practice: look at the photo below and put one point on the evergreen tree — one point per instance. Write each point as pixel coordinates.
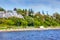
(1, 9)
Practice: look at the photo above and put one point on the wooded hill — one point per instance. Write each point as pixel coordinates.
(31, 19)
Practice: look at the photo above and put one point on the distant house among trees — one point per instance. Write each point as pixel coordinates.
(7, 14)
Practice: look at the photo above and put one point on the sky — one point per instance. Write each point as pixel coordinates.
(37, 5)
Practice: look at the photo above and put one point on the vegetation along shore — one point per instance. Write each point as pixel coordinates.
(29, 19)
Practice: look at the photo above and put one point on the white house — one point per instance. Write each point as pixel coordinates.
(10, 14)
(2, 14)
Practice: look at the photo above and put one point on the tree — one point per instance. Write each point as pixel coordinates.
(56, 16)
(30, 20)
(15, 9)
(43, 12)
(37, 23)
(25, 12)
(1, 9)
(19, 11)
(30, 12)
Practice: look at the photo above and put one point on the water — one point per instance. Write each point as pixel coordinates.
(31, 35)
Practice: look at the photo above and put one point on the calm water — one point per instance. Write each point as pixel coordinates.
(31, 35)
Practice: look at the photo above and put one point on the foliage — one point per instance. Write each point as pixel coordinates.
(31, 19)
(1, 9)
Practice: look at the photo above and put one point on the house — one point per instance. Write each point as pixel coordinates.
(7, 14)
(2, 14)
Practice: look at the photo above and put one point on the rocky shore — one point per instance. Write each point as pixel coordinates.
(27, 29)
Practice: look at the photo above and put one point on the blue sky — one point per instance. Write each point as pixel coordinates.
(37, 5)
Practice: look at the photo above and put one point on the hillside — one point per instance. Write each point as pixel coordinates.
(31, 19)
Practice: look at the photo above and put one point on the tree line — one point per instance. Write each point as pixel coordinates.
(31, 19)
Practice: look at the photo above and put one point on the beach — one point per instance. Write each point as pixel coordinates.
(26, 29)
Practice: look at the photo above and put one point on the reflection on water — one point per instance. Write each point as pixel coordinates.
(31, 35)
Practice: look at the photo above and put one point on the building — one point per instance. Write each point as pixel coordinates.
(2, 14)
(7, 14)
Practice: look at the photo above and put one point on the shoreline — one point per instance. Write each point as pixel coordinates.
(27, 29)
